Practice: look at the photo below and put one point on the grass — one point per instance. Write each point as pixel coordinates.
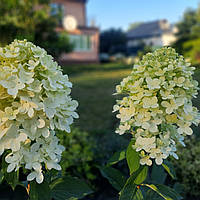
(72, 69)
(94, 90)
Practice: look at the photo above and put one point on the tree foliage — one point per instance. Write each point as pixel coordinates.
(189, 35)
(113, 41)
(31, 20)
(185, 25)
(134, 25)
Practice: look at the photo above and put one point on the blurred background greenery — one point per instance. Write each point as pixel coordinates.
(93, 140)
(31, 20)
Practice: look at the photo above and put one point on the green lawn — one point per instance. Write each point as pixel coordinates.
(94, 91)
(72, 69)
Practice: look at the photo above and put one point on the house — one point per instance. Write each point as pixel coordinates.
(84, 38)
(155, 34)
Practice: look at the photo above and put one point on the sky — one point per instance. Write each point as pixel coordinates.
(121, 13)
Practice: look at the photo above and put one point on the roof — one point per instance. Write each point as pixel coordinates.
(76, 1)
(84, 1)
(149, 29)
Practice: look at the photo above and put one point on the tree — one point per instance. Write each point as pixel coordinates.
(185, 29)
(55, 43)
(134, 25)
(24, 19)
(113, 41)
(196, 27)
(192, 50)
(186, 24)
(189, 35)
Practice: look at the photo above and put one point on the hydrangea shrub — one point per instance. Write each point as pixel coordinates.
(34, 101)
(157, 104)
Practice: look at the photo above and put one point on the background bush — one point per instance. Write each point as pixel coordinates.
(32, 20)
(78, 157)
(188, 166)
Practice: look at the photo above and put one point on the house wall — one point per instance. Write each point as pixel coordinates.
(168, 39)
(76, 9)
(164, 40)
(84, 56)
(153, 41)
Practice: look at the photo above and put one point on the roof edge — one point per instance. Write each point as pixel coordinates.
(84, 1)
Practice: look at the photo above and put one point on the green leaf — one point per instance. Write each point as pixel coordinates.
(1, 177)
(52, 174)
(130, 188)
(154, 188)
(20, 193)
(11, 178)
(69, 187)
(141, 176)
(128, 192)
(158, 174)
(138, 195)
(118, 156)
(114, 176)
(133, 158)
(39, 191)
(152, 195)
(165, 192)
(169, 192)
(179, 188)
(169, 168)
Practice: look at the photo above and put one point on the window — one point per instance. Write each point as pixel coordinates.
(81, 42)
(57, 10)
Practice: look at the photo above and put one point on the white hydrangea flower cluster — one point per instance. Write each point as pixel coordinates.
(157, 104)
(34, 101)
